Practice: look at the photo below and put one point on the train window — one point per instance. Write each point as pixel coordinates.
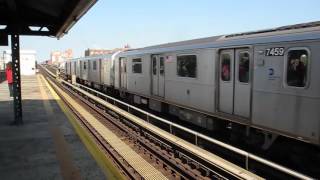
(297, 67)
(161, 66)
(243, 68)
(84, 65)
(187, 66)
(136, 66)
(154, 65)
(225, 67)
(94, 65)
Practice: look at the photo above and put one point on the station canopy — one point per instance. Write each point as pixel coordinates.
(41, 17)
(35, 18)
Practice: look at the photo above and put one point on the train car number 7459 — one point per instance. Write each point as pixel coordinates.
(276, 51)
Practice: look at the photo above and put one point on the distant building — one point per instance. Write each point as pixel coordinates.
(92, 52)
(27, 61)
(58, 57)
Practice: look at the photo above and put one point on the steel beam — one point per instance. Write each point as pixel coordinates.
(15, 53)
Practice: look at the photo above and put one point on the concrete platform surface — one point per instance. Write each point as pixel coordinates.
(46, 146)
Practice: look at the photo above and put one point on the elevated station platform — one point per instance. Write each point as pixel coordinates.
(46, 146)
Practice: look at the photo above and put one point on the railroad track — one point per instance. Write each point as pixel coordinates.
(172, 161)
(155, 152)
(184, 160)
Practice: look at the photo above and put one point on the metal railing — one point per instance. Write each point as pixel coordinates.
(248, 156)
(53, 75)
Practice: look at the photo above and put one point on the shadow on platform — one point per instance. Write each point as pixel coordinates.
(29, 151)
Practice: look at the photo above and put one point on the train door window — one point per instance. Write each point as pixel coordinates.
(84, 65)
(225, 67)
(297, 67)
(74, 64)
(154, 65)
(187, 66)
(94, 65)
(243, 69)
(161, 66)
(136, 66)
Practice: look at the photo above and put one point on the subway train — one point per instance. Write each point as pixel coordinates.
(264, 83)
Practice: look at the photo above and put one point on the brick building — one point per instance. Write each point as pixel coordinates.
(92, 52)
(58, 57)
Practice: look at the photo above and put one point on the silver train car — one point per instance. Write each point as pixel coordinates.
(266, 80)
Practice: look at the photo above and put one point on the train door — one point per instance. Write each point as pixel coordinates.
(242, 87)
(123, 72)
(99, 71)
(69, 68)
(89, 70)
(74, 68)
(80, 69)
(102, 71)
(157, 75)
(161, 76)
(234, 82)
(226, 81)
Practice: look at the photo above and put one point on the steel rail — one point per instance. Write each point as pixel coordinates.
(248, 156)
(150, 149)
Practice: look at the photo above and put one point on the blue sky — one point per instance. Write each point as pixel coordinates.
(114, 23)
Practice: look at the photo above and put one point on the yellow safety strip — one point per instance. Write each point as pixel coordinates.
(110, 171)
(62, 149)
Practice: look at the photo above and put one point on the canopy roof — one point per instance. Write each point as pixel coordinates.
(41, 17)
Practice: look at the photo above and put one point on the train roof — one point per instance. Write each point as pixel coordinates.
(302, 31)
(279, 29)
(100, 56)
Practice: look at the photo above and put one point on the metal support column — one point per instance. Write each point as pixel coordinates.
(15, 48)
